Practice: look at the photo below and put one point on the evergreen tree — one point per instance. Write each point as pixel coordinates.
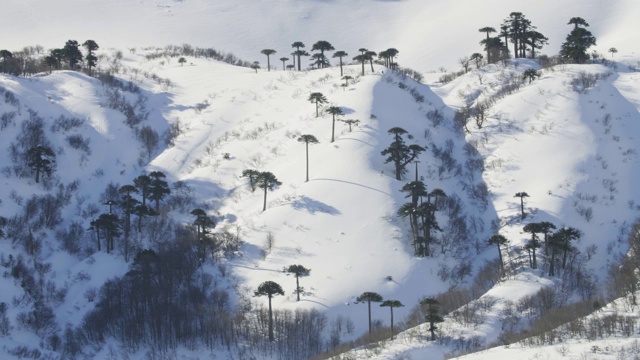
(431, 307)
(59, 55)
(613, 51)
(334, 111)
(72, 53)
(369, 297)
(499, 240)
(90, 58)
(298, 45)
(340, 54)
(158, 188)
(369, 55)
(308, 139)
(110, 225)
(361, 59)
(560, 242)
(487, 30)
(267, 181)
(318, 99)
(530, 74)
(521, 195)
(536, 41)
(143, 184)
(284, 60)
(5, 55)
(269, 289)
(268, 52)
(128, 205)
(255, 66)
(399, 153)
(203, 224)
(391, 304)
(534, 243)
(346, 79)
(41, 159)
(322, 46)
(252, 175)
(477, 59)
(298, 271)
(350, 122)
(574, 49)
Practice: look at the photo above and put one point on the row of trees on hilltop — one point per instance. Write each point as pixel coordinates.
(320, 60)
(69, 56)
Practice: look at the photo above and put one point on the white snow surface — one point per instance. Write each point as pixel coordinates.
(568, 150)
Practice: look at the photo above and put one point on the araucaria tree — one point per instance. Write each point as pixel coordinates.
(91, 58)
(41, 159)
(574, 49)
(532, 245)
(560, 242)
(521, 195)
(334, 111)
(253, 177)
(298, 53)
(369, 297)
(399, 153)
(340, 54)
(298, 271)
(267, 181)
(391, 304)
(158, 188)
(499, 240)
(431, 308)
(308, 139)
(318, 99)
(530, 74)
(284, 61)
(268, 52)
(269, 289)
(72, 53)
(487, 30)
(322, 46)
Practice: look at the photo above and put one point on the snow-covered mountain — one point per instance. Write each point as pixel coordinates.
(568, 139)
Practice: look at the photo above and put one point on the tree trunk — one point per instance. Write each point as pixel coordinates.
(333, 128)
(264, 206)
(298, 287)
(271, 337)
(369, 305)
(500, 257)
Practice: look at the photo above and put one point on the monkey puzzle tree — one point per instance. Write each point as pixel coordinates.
(369, 55)
(6, 55)
(268, 52)
(431, 308)
(90, 58)
(362, 59)
(499, 240)
(284, 60)
(203, 224)
(298, 52)
(534, 243)
(521, 195)
(41, 159)
(545, 228)
(267, 181)
(369, 297)
(308, 139)
(158, 188)
(530, 74)
(255, 66)
(580, 39)
(318, 99)
(128, 205)
(322, 46)
(334, 111)
(252, 175)
(399, 153)
(346, 79)
(72, 53)
(613, 51)
(298, 271)
(477, 59)
(560, 241)
(340, 54)
(350, 122)
(269, 289)
(391, 304)
(487, 30)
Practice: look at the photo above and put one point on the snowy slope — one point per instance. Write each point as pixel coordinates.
(571, 151)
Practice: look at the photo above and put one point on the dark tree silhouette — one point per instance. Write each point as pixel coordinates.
(431, 308)
(158, 188)
(499, 240)
(59, 55)
(41, 159)
(334, 111)
(110, 225)
(369, 297)
(3, 222)
(391, 304)
(340, 54)
(350, 122)
(255, 66)
(298, 52)
(322, 46)
(530, 74)
(346, 79)
(536, 41)
(387, 56)
(253, 177)
(487, 30)
(298, 271)
(308, 139)
(90, 58)
(521, 195)
(399, 153)
(560, 241)
(182, 61)
(143, 184)
(127, 205)
(268, 52)
(5, 55)
(72, 53)
(267, 181)
(203, 224)
(369, 55)
(477, 59)
(318, 99)
(545, 228)
(269, 289)
(613, 51)
(284, 60)
(580, 39)
(361, 59)
(534, 243)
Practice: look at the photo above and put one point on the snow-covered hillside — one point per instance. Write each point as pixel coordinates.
(569, 139)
